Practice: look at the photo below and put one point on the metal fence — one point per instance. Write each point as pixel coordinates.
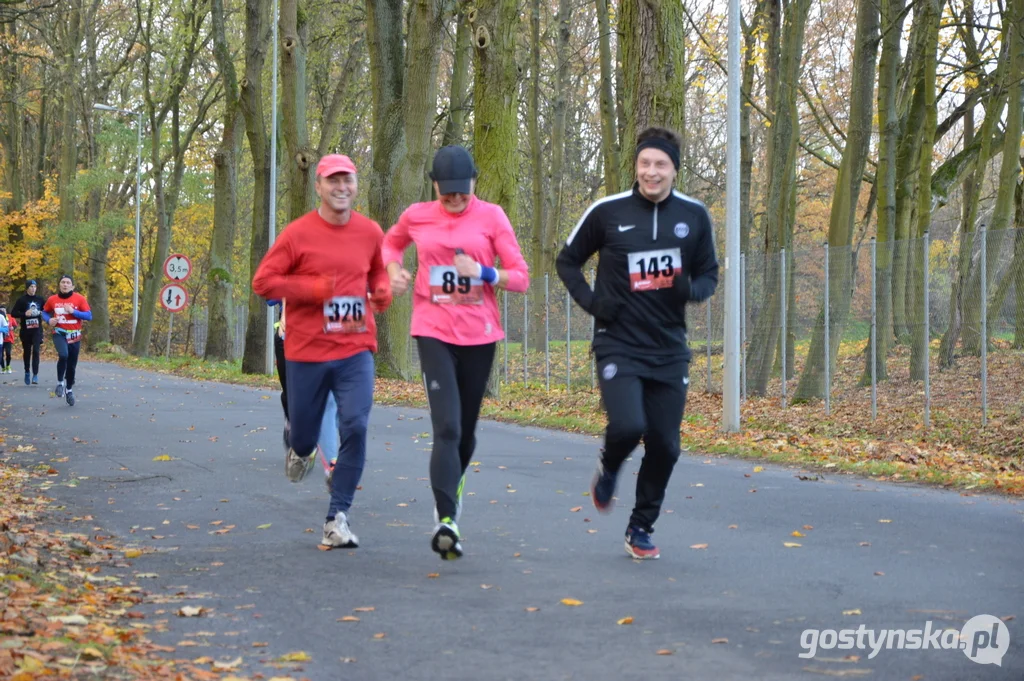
(829, 354)
(877, 294)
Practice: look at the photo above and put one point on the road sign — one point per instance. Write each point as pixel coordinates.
(173, 297)
(177, 267)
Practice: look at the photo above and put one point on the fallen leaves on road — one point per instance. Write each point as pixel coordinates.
(698, 546)
(720, 640)
(625, 620)
(791, 545)
(62, 616)
(190, 611)
(571, 602)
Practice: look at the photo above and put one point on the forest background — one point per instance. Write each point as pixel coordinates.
(890, 131)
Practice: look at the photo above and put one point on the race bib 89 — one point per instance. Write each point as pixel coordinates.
(448, 288)
(345, 314)
(651, 270)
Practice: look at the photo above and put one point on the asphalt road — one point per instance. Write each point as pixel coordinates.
(878, 555)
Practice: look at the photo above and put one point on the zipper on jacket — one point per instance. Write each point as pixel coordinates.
(655, 222)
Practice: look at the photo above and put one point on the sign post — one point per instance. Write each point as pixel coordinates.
(173, 296)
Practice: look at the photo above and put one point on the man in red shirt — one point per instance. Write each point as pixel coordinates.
(327, 265)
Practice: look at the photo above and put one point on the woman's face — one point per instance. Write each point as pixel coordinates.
(66, 285)
(455, 203)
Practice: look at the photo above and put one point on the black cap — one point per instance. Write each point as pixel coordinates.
(31, 282)
(453, 170)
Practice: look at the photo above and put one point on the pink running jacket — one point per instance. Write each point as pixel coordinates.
(454, 309)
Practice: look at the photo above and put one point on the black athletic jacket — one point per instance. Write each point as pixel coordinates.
(21, 306)
(653, 259)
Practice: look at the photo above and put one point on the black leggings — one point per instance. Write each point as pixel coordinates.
(31, 341)
(5, 354)
(645, 403)
(282, 371)
(67, 359)
(455, 378)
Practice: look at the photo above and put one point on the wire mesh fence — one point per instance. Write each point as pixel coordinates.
(874, 327)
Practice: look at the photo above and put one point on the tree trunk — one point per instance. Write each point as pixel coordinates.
(538, 338)
(11, 140)
(166, 191)
(301, 157)
(972, 186)
(746, 153)
(778, 213)
(1017, 272)
(257, 20)
(653, 63)
(495, 124)
(455, 127)
(220, 277)
(1009, 171)
(404, 104)
(69, 137)
(932, 13)
(844, 205)
(609, 136)
(543, 252)
(947, 345)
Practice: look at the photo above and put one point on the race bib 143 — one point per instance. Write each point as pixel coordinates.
(651, 270)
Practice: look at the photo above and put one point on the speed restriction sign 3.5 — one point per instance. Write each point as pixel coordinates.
(173, 297)
(177, 267)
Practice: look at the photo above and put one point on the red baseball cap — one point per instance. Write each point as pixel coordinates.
(332, 164)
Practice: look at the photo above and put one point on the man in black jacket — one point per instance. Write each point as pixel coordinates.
(656, 252)
(28, 308)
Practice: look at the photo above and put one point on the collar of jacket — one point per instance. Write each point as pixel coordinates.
(639, 196)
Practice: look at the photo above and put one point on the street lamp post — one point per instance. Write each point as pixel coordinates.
(138, 207)
(272, 222)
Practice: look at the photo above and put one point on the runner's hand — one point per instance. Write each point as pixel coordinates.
(400, 281)
(323, 288)
(466, 266)
(380, 299)
(53, 321)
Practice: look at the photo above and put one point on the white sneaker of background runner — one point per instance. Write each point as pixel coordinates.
(337, 533)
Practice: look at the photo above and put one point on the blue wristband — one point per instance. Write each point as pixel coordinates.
(488, 274)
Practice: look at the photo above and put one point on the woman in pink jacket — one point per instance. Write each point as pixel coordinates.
(455, 318)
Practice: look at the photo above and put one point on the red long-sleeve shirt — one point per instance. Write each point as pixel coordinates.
(327, 273)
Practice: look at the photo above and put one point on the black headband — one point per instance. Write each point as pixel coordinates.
(663, 145)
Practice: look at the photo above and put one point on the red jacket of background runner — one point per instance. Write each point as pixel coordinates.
(62, 309)
(327, 274)
(12, 326)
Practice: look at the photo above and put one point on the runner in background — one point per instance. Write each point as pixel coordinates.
(328, 441)
(6, 339)
(64, 312)
(28, 309)
(455, 321)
